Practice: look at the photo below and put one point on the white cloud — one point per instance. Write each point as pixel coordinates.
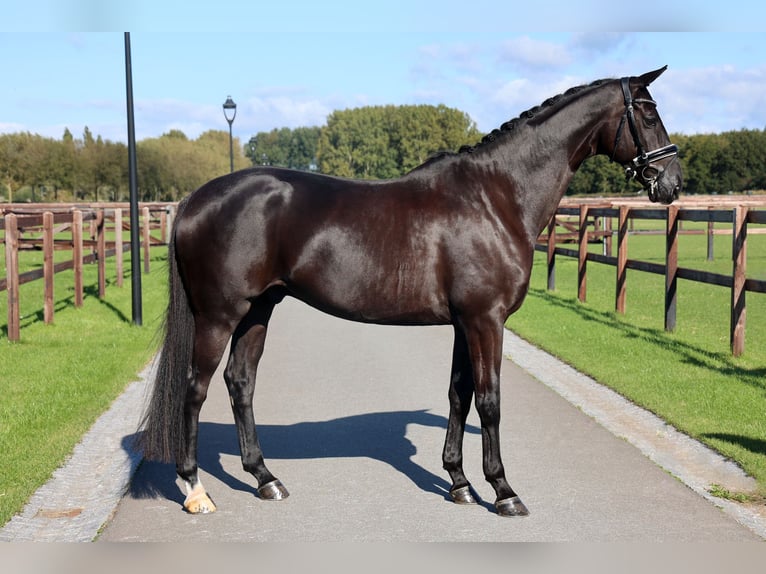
(528, 53)
(712, 99)
(284, 111)
(509, 99)
(272, 108)
(10, 127)
(599, 43)
(522, 72)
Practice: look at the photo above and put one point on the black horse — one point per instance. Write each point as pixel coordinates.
(450, 242)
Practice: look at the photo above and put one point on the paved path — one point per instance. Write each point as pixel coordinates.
(352, 419)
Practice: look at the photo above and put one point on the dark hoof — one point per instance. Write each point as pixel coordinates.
(463, 495)
(273, 490)
(511, 507)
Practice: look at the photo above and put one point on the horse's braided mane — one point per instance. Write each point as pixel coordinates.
(511, 125)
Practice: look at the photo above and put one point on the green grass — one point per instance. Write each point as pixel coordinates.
(687, 377)
(59, 378)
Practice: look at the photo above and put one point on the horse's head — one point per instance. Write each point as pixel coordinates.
(644, 148)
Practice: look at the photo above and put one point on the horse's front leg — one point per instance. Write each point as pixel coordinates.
(484, 338)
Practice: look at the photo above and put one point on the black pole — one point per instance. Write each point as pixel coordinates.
(135, 245)
(231, 149)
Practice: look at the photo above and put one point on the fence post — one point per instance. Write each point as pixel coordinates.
(77, 256)
(739, 257)
(118, 246)
(710, 237)
(622, 259)
(671, 267)
(101, 251)
(147, 236)
(583, 254)
(12, 275)
(171, 221)
(164, 226)
(552, 253)
(48, 271)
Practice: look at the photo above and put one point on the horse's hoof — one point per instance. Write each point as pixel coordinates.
(198, 502)
(511, 507)
(463, 495)
(273, 490)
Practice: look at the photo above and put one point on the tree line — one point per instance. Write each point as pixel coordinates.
(36, 168)
(729, 162)
(374, 142)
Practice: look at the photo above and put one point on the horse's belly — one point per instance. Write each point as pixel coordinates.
(375, 274)
(354, 296)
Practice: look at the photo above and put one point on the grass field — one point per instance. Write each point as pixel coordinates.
(59, 378)
(687, 377)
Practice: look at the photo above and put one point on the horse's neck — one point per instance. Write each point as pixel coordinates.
(540, 161)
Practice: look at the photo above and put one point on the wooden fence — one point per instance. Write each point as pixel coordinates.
(579, 222)
(40, 228)
(598, 216)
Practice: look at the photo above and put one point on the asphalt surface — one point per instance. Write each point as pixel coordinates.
(352, 420)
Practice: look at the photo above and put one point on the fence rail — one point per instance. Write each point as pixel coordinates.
(739, 215)
(27, 228)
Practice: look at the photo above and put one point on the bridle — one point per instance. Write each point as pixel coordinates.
(642, 163)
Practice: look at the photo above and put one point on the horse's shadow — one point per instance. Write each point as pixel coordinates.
(380, 436)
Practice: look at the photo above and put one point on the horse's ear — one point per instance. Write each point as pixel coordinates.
(649, 77)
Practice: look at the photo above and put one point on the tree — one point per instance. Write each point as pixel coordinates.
(103, 167)
(740, 159)
(212, 148)
(15, 165)
(386, 141)
(356, 143)
(295, 149)
(420, 131)
(303, 148)
(172, 166)
(270, 148)
(697, 155)
(65, 162)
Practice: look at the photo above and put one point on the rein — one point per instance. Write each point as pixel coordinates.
(642, 163)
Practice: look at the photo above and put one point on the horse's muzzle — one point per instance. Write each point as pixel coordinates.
(663, 184)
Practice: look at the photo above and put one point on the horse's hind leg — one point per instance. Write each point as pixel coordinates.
(209, 345)
(246, 350)
(460, 395)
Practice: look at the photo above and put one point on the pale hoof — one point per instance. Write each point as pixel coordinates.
(511, 507)
(198, 502)
(273, 490)
(463, 495)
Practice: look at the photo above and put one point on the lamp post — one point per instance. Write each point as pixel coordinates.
(230, 112)
(135, 244)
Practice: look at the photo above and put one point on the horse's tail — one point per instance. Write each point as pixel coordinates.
(163, 424)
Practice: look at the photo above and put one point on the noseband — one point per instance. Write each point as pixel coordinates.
(642, 163)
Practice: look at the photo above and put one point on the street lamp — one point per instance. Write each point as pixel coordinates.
(230, 112)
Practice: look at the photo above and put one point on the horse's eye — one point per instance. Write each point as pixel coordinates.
(650, 121)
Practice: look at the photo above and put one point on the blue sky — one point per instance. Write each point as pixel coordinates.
(292, 63)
